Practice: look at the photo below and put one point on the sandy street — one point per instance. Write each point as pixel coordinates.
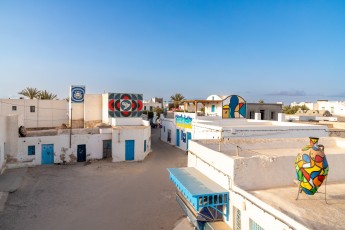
(100, 195)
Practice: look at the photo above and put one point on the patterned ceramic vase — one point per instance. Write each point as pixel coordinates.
(311, 166)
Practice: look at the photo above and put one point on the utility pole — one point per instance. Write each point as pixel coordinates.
(70, 131)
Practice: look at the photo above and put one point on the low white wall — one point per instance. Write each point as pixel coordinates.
(138, 134)
(132, 121)
(62, 151)
(203, 158)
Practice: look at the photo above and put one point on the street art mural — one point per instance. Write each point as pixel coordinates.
(183, 121)
(125, 105)
(234, 106)
(77, 94)
(311, 167)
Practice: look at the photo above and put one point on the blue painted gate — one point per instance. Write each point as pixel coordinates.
(81, 153)
(129, 151)
(47, 154)
(189, 136)
(177, 137)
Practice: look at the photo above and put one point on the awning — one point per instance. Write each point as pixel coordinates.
(207, 198)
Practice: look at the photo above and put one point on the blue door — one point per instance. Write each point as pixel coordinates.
(81, 153)
(213, 109)
(144, 146)
(129, 151)
(189, 136)
(177, 137)
(47, 154)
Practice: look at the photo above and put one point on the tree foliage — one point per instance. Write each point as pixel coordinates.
(30, 92)
(177, 99)
(261, 101)
(34, 93)
(45, 95)
(293, 109)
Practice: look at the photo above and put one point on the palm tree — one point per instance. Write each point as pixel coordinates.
(177, 99)
(30, 92)
(45, 95)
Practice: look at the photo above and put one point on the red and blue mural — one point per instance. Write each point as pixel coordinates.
(234, 106)
(125, 105)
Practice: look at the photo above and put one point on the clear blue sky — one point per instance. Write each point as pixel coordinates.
(291, 50)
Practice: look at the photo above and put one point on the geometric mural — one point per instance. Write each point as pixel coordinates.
(125, 105)
(311, 167)
(234, 106)
(77, 94)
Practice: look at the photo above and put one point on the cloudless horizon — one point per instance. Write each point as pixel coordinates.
(274, 50)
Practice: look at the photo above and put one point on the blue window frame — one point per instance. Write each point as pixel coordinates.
(31, 150)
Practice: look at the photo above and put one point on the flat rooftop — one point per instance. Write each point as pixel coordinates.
(273, 147)
(312, 211)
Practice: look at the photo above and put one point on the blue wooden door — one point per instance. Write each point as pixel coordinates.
(144, 146)
(177, 137)
(189, 136)
(129, 151)
(47, 154)
(81, 153)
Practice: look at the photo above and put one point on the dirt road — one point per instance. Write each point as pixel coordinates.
(100, 195)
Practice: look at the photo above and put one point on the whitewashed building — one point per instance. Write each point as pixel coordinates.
(334, 107)
(34, 113)
(223, 122)
(115, 130)
(250, 184)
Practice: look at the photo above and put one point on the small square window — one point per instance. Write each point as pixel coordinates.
(31, 150)
(14, 108)
(32, 108)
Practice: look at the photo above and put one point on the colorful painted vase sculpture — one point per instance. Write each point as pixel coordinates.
(311, 166)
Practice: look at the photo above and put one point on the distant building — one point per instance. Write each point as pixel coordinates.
(336, 108)
(223, 121)
(268, 111)
(35, 113)
(155, 102)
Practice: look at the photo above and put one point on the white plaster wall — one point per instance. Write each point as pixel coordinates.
(166, 125)
(221, 168)
(338, 107)
(259, 212)
(48, 113)
(205, 160)
(3, 127)
(77, 111)
(92, 107)
(105, 114)
(138, 134)
(208, 109)
(124, 121)
(93, 142)
(213, 97)
(147, 104)
(11, 147)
